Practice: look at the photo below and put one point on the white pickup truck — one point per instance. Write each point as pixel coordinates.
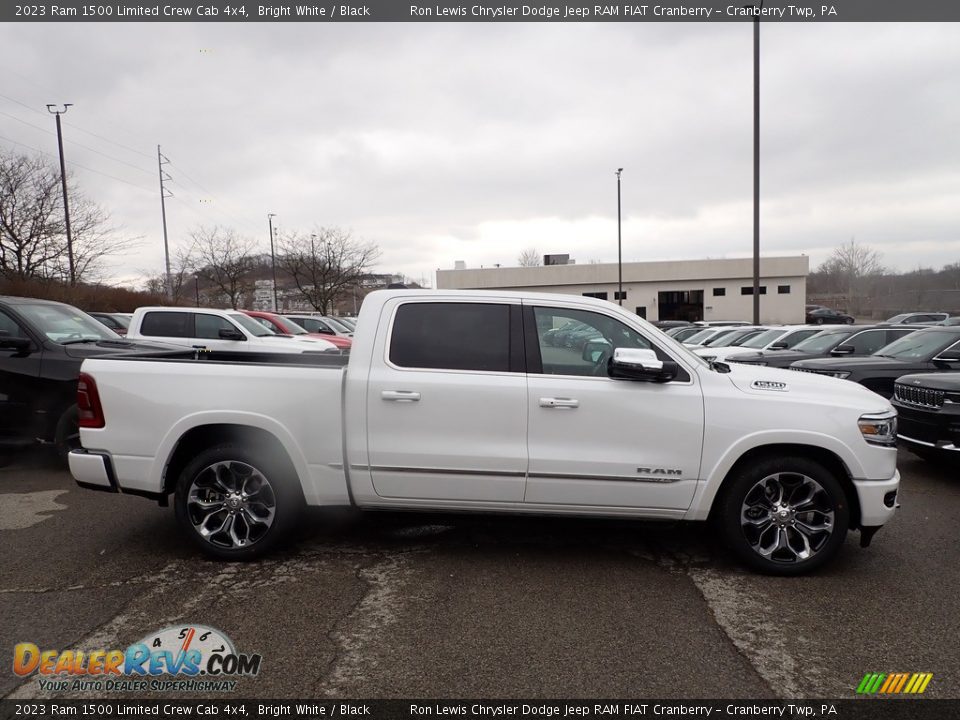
(216, 330)
(452, 401)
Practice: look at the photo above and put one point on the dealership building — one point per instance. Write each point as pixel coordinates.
(672, 290)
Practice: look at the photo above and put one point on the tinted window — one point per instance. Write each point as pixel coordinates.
(9, 327)
(867, 342)
(209, 326)
(719, 292)
(822, 341)
(920, 344)
(167, 324)
(452, 336)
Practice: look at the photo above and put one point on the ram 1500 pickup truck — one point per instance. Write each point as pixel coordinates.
(452, 401)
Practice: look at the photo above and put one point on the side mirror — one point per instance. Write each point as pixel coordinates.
(778, 346)
(641, 364)
(230, 334)
(843, 350)
(593, 350)
(14, 343)
(948, 357)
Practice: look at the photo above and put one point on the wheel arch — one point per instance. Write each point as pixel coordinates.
(201, 437)
(824, 456)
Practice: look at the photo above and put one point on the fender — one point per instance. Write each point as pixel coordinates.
(713, 476)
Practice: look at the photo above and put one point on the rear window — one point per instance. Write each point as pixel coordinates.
(167, 324)
(452, 336)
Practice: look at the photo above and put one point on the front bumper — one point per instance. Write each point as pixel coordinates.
(879, 499)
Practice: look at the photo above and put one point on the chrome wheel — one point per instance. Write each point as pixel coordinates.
(787, 517)
(231, 504)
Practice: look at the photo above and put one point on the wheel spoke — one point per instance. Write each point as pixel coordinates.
(231, 504)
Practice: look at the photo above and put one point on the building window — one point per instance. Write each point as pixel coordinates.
(719, 292)
(783, 289)
(597, 295)
(748, 290)
(618, 295)
(642, 311)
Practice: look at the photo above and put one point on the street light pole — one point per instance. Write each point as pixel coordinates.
(756, 170)
(619, 244)
(273, 263)
(63, 183)
(196, 288)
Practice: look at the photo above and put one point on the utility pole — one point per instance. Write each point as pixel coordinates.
(164, 176)
(619, 244)
(63, 183)
(756, 170)
(273, 263)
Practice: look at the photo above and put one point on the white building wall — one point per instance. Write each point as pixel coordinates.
(643, 282)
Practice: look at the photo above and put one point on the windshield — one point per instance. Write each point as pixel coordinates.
(62, 323)
(342, 327)
(699, 336)
(921, 344)
(821, 342)
(898, 318)
(763, 339)
(251, 325)
(730, 339)
(349, 322)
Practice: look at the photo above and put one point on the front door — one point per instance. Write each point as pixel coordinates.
(446, 404)
(595, 441)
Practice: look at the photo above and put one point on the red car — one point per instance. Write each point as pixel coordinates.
(282, 326)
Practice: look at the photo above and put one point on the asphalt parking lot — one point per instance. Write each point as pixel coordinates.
(455, 606)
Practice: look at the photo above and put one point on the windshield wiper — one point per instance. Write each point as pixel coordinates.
(82, 340)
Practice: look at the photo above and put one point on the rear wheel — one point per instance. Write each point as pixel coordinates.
(818, 321)
(67, 434)
(235, 504)
(784, 516)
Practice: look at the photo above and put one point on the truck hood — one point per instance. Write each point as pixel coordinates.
(722, 353)
(768, 381)
(850, 363)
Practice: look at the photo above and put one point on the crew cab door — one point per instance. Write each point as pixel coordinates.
(20, 386)
(599, 442)
(190, 329)
(447, 403)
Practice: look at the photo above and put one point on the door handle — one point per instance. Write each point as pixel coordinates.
(560, 403)
(400, 395)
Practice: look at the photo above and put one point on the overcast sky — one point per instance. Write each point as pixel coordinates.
(444, 142)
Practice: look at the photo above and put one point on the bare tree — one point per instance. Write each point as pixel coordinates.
(33, 240)
(183, 269)
(325, 263)
(225, 261)
(529, 258)
(848, 269)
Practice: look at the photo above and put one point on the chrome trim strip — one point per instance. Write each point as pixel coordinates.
(610, 478)
(951, 447)
(439, 471)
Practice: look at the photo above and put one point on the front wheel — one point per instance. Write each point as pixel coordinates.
(784, 516)
(235, 504)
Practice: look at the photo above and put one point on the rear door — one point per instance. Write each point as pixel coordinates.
(19, 380)
(446, 403)
(595, 441)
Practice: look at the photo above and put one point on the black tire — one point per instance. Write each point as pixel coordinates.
(818, 321)
(850, 321)
(273, 491)
(741, 520)
(66, 437)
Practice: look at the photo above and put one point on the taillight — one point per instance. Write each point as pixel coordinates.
(88, 403)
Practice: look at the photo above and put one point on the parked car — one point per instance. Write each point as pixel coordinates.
(284, 326)
(774, 339)
(682, 333)
(734, 338)
(835, 341)
(918, 317)
(42, 344)
(339, 324)
(706, 334)
(350, 322)
(317, 324)
(786, 463)
(216, 330)
(928, 408)
(667, 324)
(115, 321)
(719, 323)
(819, 315)
(931, 349)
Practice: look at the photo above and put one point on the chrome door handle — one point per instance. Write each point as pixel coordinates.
(400, 395)
(560, 403)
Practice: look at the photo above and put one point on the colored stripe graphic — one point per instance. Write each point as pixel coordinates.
(894, 683)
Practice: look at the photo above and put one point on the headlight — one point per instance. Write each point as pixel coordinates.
(841, 375)
(879, 428)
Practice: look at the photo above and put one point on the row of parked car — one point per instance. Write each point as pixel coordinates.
(43, 343)
(916, 366)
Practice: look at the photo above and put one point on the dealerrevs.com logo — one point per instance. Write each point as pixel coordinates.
(180, 657)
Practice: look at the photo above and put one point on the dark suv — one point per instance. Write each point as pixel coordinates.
(842, 341)
(928, 406)
(932, 349)
(42, 345)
